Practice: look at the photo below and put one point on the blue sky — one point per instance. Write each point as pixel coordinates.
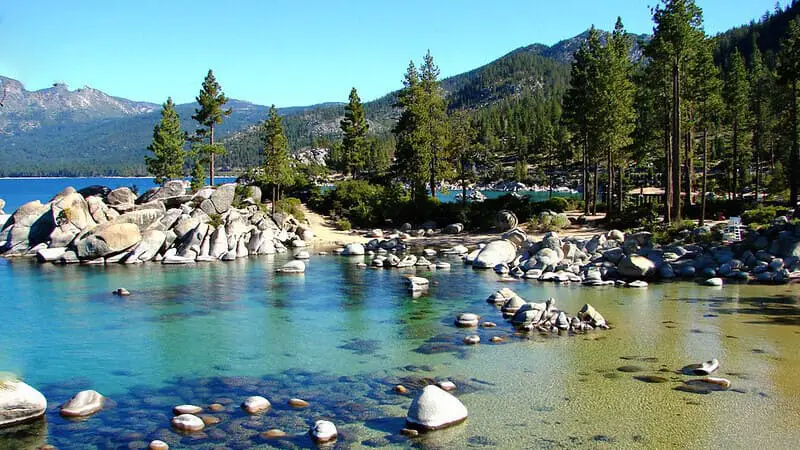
(293, 52)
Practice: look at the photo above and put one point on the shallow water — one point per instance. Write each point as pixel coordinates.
(341, 337)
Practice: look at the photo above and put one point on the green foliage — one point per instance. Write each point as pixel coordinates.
(421, 131)
(291, 205)
(354, 127)
(763, 214)
(198, 176)
(210, 114)
(215, 220)
(548, 222)
(343, 225)
(276, 169)
(632, 217)
(167, 146)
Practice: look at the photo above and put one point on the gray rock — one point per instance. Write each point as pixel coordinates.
(506, 220)
(152, 242)
(19, 402)
(108, 238)
(84, 403)
(353, 249)
(496, 252)
(453, 228)
(323, 431)
(716, 281)
(188, 422)
(50, 254)
(256, 404)
(295, 266)
(121, 195)
(31, 224)
(172, 188)
(636, 266)
(435, 409)
(614, 255)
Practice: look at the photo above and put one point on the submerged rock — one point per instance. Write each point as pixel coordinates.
(296, 266)
(323, 431)
(467, 320)
(84, 403)
(188, 422)
(435, 409)
(256, 404)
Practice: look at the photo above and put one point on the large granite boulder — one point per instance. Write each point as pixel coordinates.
(172, 188)
(636, 266)
(506, 220)
(496, 252)
(107, 239)
(221, 199)
(120, 196)
(143, 218)
(353, 249)
(435, 409)
(30, 225)
(151, 243)
(19, 402)
(74, 210)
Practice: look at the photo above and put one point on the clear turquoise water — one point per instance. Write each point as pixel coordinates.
(341, 337)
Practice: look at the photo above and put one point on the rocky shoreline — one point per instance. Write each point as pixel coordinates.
(97, 225)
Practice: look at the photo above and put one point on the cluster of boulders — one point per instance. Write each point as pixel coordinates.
(97, 225)
(544, 316)
(384, 254)
(629, 259)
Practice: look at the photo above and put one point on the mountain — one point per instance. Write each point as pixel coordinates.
(57, 131)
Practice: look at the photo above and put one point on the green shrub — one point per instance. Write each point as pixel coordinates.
(343, 225)
(763, 214)
(548, 222)
(557, 204)
(644, 215)
(291, 205)
(215, 220)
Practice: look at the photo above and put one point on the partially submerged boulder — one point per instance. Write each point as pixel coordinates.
(435, 409)
(19, 402)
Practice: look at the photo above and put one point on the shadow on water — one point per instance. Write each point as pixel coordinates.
(144, 413)
(777, 310)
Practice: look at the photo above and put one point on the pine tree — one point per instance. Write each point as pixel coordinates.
(736, 95)
(211, 100)
(355, 127)
(411, 164)
(434, 126)
(789, 73)
(167, 146)
(677, 35)
(276, 168)
(464, 149)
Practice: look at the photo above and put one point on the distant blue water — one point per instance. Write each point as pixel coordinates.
(18, 191)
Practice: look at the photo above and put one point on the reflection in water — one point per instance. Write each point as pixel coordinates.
(341, 337)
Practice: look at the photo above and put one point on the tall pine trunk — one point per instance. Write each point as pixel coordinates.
(735, 159)
(211, 159)
(595, 188)
(585, 177)
(705, 177)
(676, 139)
(794, 160)
(758, 172)
(689, 163)
(621, 192)
(667, 164)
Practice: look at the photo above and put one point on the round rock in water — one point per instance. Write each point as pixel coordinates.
(467, 320)
(472, 340)
(274, 433)
(158, 445)
(434, 409)
(84, 403)
(298, 403)
(186, 409)
(296, 266)
(188, 422)
(447, 385)
(256, 404)
(122, 292)
(19, 402)
(323, 431)
(716, 281)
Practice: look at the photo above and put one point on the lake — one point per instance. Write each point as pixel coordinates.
(341, 337)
